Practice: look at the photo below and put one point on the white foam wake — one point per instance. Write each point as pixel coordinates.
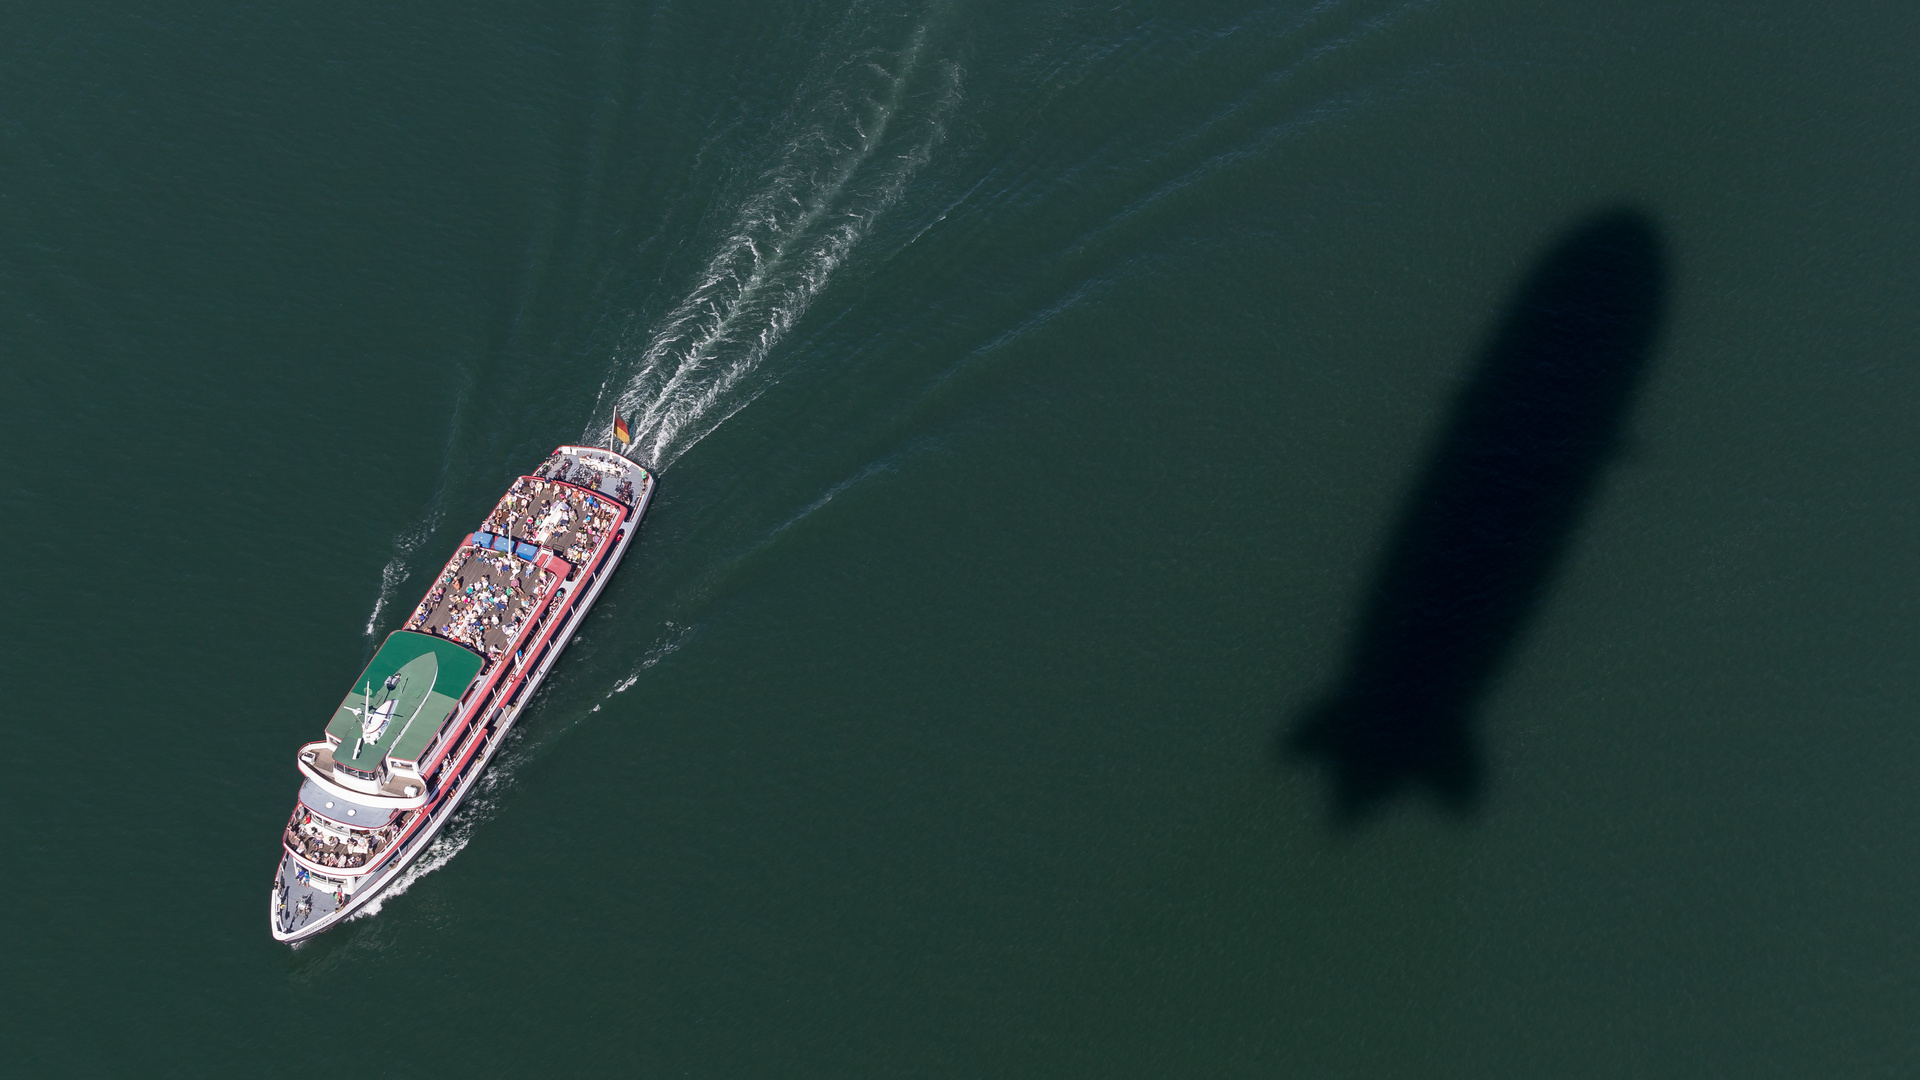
(661, 649)
(395, 573)
(453, 838)
(833, 176)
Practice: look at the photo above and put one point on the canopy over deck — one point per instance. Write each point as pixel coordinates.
(408, 690)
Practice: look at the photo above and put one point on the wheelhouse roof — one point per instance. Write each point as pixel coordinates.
(343, 811)
(428, 676)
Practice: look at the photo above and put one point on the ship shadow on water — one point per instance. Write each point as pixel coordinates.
(1489, 519)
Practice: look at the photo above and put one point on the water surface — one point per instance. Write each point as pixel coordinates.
(1040, 391)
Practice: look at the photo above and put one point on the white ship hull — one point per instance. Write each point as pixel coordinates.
(324, 911)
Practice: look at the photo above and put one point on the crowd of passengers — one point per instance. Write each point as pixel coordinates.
(315, 844)
(482, 593)
(554, 516)
(558, 468)
(484, 599)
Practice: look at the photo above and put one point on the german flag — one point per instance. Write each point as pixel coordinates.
(620, 429)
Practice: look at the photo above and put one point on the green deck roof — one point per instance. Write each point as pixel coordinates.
(429, 676)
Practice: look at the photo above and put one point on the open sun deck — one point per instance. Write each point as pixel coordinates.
(498, 582)
(493, 603)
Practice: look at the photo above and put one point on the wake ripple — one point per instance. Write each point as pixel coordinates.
(452, 839)
(704, 361)
(395, 573)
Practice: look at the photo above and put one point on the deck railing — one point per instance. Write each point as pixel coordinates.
(322, 850)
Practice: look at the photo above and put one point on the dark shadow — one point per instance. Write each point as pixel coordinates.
(1490, 518)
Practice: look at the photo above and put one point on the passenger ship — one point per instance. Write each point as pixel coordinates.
(421, 722)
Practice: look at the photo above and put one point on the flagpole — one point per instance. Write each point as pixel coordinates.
(614, 432)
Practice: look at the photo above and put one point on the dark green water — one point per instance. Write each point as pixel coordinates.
(1042, 391)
